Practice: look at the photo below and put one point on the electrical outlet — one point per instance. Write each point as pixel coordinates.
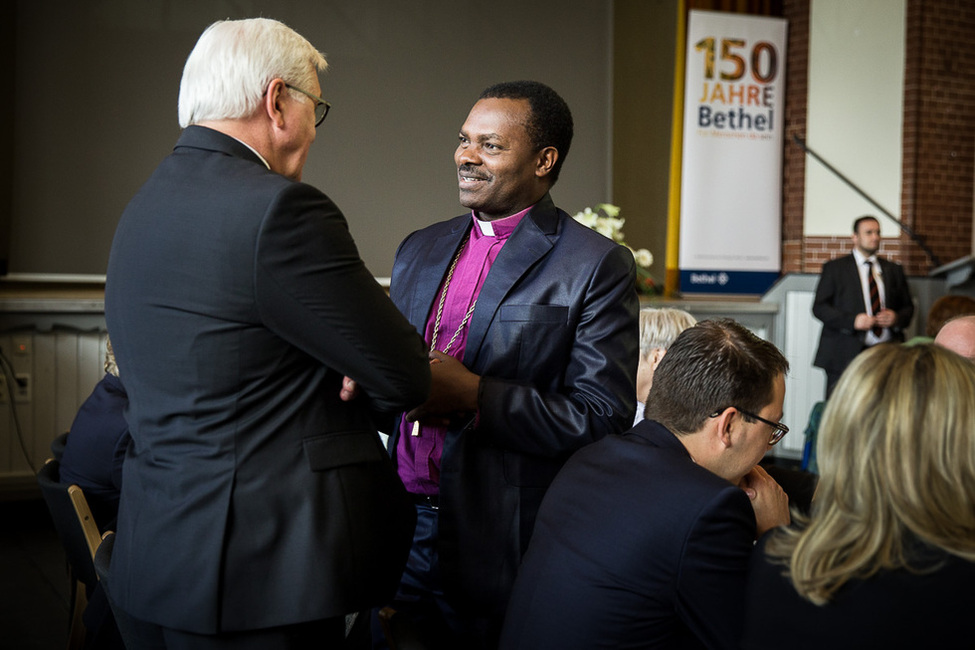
(22, 387)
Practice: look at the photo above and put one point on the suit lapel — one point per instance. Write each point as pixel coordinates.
(859, 283)
(432, 270)
(532, 239)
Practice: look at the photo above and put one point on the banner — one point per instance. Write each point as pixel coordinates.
(731, 173)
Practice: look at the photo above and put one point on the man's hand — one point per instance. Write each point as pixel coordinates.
(863, 322)
(349, 390)
(886, 318)
(454, 389)
(769, 500)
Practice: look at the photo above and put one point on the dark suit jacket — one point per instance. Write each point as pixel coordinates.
(930, 608)
(252, 496)
(839, 298)
(555, 338)
(95, 449)
(636, 546)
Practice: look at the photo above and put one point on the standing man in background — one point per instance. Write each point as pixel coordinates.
(862, 299)
(532, 323)
(258, 506)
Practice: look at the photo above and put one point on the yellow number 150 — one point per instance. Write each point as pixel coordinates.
(738, 63)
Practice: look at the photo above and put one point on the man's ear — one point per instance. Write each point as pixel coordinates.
(273, 99)
(724, 423)
(546, 160)
(656, 356)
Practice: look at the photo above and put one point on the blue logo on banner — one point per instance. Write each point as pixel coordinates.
(730, 282)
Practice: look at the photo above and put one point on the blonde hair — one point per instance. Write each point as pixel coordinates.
(659, 327)
(897, 461)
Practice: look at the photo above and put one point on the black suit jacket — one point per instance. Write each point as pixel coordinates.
(252, 496)
(839, 298)
(928, 607)
(555, 337)
(636, 546)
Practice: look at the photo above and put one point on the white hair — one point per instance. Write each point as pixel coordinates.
(660, 326)
(229, 69)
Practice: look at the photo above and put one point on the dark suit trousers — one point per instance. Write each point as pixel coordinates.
(325, 634)
(832, 376)
(420, 597)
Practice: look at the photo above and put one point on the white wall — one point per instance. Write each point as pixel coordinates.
(855, 104)
(63, 366)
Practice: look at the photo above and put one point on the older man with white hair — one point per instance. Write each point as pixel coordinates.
(658, 329)
(258, 506)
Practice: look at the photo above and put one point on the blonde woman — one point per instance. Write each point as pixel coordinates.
(887, 557)
(658, 329)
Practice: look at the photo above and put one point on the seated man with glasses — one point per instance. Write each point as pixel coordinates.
(644, 538)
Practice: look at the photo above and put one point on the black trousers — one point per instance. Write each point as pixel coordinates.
(325, 634)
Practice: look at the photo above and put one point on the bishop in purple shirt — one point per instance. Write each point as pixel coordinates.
(531, 320)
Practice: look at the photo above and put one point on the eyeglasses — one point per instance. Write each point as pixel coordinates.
(321, 106)
(778, 429)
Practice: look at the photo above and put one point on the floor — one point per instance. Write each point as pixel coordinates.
(35, 591)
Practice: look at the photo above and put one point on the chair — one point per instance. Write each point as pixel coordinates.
(79, 537)
(57, 446)
(809, 461)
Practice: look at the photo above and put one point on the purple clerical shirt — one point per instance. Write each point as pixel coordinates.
(418, 457)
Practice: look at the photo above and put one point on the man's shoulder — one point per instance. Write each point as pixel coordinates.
(422, 237)
(839, 262)
(574, 233)
(235, 171)
(834, 271)
(648, 445)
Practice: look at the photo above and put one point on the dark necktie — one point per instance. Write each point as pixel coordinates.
(874, 297)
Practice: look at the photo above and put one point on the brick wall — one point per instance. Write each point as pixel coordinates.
(794, 159)
(939, 129)
(816, 251)
(938, 139)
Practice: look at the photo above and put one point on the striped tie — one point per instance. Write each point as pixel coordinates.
(874, 297)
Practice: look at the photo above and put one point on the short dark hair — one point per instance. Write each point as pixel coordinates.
(866, 217)
(550, 124)
(710, 367)
(945, 309)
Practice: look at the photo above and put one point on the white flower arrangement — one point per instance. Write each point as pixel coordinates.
(605, 219)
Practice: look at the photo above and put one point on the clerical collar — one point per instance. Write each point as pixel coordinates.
(500, 227)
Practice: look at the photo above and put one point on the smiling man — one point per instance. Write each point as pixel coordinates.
(531, 319)
(643, 539)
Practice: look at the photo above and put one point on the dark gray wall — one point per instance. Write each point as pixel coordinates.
(95, 107)
(644, 60)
